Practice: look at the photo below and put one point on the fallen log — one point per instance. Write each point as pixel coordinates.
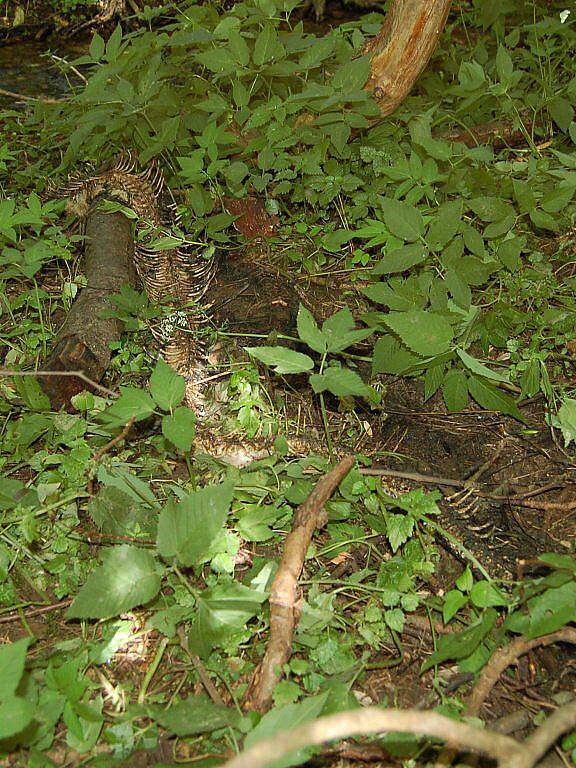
(83, 342)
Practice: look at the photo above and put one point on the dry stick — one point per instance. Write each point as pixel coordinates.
(5, 372)
(283, 595)
(368, 720)
(211, 689)
(35, 611)
(23, 97)
(115, 440)
(416, 476)
(506, 656)
(538, 743)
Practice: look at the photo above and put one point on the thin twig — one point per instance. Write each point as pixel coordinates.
(284, 591)
(211, 689)
(5, 372)
(23, 97)
(416, 476)
(9, 618)
(115, 440)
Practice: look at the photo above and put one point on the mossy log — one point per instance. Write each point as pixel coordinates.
(83, 342)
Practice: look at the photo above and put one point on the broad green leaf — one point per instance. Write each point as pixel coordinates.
(460, 645)
(558, 561)
(544, 220)
(351, 76)
(339, 331)
(562, 112)
(548, 612)
(131, 403)
(400, 259)
(309, 332)
(426, 333)
(194, 715)
(557, 199)
(12, 660)
(566, 420)
(239, 48)
(432, 381)
(267, 46)
(504, 65)
(187, 528)
(445, 224)
(31, 393)
(458, 287)
(128, 577)
(97, 47)
(455, 390)
(284, 718)
(485, 594)
(116, 513)
(180, 428)
(342, 382)
(399, 529)
(166, 386)
(281, 359)
(453, 601)
(508, 252)
(490, 208)
(320, 49)
(478, 368)
(492, 399)
(402, 219)
(15, 715)
(391, 357)
(10, 491)
(333, 241)
(217, 60)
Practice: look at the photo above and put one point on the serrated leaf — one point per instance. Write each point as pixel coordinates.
(485, 594)
(15, 714)
(455, 390)
(31, 393)
(339, 331)
(400, 259)
(426, 333)
(187, 528)
(351, 76)
(180, 428)
(566, 420)
(281, 359)
(402, 219)
(432, 381)
(479, 368)
(12, 660)
(446, 224)
(391, 357)
(128, 577)
(195, 715)
(460, 645)
(492, 399)
(490, 208)
(131, 403)
(309, 332)
(166, 386)
(97, 47)
(562, 112)
(399, 529)
(342, 382)
(453, 601)
(266, 46)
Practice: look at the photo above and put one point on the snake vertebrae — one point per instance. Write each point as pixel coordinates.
(179, 275)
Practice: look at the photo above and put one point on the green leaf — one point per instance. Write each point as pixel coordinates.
(548, 612)
(426, 333)
(166, 386)
(180, 428)
(562, 112)
(239, 48)
(342, 382)
(187, 529)
(116, 513)
(281, 359)
(31, 393)
(284, 718)
(267, 46)
(544, 220)
(400, 259)
(97, 47)
(399, 529)
(339, 331)
(446, 224)
(566, 420)
(128, 577)
(492, 399)
(351, 76)
(402, 219)
(485, 594)
(490, 208)
(15, 715)
(391, 357)
(195, 715)
(432, 381)
(309, 332)
(456, 646)
(478, 368)
(12, 660)
(455, 390)
(453, 601)
(131, 403)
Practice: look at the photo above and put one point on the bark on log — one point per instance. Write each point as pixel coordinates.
(83, 342)
(403, 47)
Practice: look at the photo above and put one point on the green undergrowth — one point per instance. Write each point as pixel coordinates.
(463, 257)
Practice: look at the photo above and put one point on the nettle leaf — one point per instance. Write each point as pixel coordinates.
(400, 259)
(455, 390)
(321, 49)
(12, 660)
(402, 219)
(391, 357)
(197, 714)
(339, 331)
(166, 386)
(492, 399)
(342, 382)
(562, 112)
(399, 529)
(446, 224)
(490, 208)
(281, 359)
(478, 368)
(282, 718)
(309, 332)
(460, 645)
(128, 577)
(180, 428)
(351, 76)
(15, 714)
(267, 46)
(217, 60)
(426, 333)
(187, 528)
(131, 403)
